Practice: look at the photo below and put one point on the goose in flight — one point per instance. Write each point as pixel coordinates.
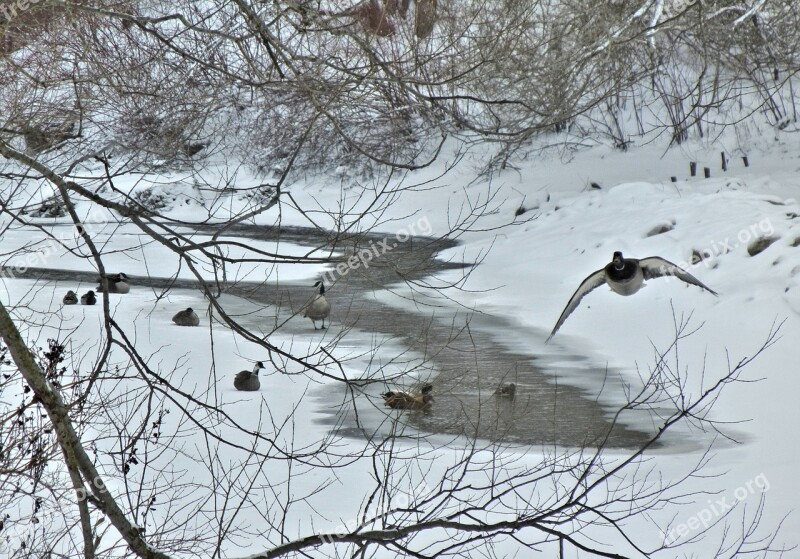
(626, 276)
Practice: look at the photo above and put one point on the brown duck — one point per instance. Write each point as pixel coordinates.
(409, 400)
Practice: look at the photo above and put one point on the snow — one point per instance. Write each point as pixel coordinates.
(527, 272)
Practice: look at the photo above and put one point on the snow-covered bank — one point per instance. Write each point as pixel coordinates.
(527, 272)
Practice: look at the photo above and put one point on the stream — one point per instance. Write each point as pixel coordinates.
(462, 353)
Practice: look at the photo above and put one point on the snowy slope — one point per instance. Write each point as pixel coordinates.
(527, 273)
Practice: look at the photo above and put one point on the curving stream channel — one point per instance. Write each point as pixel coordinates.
(461, 352)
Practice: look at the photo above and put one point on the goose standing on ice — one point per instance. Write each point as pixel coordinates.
(318, 308)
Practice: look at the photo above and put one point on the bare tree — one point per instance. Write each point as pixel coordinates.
(108, 449)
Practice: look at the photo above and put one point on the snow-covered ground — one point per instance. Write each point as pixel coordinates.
(528, 272)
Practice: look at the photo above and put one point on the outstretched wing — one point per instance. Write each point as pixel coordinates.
(595, 280)
(656, 267)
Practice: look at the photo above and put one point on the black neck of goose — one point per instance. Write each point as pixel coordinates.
(625, 271)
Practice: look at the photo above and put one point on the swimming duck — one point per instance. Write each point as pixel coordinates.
(186, 318)
(626, 276)
(248, 380)
(318, 308)
(114, 283)
(506, 390)
(70, 298)
(409, 400)
(88, 298)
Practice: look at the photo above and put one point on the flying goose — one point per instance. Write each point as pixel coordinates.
(186, 318)
(409, 400)
(248, 380)
(88, 298)
(626, 276)
(318, 308)
(70, 298)
(114, 283)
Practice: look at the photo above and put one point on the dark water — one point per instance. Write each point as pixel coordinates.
(457, 351)
(467, 366)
